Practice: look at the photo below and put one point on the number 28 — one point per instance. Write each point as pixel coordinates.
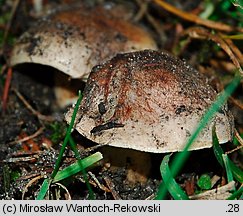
(233, 208)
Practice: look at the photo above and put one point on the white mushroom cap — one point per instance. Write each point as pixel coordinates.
(148, 101)
(75, 39)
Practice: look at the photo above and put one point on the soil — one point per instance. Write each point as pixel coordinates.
(22, 161)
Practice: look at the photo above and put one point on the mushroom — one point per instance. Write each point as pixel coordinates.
(148, 101)
(75, 38)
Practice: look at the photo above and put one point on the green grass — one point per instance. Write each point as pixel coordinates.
(169, 182)
(73, 169)
(232, 170)
(230, 9)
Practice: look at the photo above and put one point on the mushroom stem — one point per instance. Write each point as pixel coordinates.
(137, 163)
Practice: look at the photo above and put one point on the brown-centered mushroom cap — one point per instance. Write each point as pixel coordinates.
(148, 101)
(76, 38)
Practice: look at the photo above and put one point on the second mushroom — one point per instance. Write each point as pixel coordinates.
(74, 38)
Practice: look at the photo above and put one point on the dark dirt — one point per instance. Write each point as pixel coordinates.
(23, 161)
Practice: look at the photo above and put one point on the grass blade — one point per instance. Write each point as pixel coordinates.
(236, 194)
(68, 172)
(85, 176)
(76, 168)
(43, 190)
(237, 172)
(218, 151)
(45, 186)
(67, 137)
(228, 168)
(169, 182)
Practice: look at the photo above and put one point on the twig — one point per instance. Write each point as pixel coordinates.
(202, 33)
(3, 69)
(234, 48)
(111, 186)
(63, 187)
(90, 149)
(240, 140)
(220, 193)
(235, 149)
(25, 159)
(30, 183)
(37, 133)
(8, 26)
(28, 106)
(6, 89)
(156, 25)
(151, 197)
(25, 177)
(143, 6)
(223, 64)
(236, 102)
(195, 19)
(101, 186)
